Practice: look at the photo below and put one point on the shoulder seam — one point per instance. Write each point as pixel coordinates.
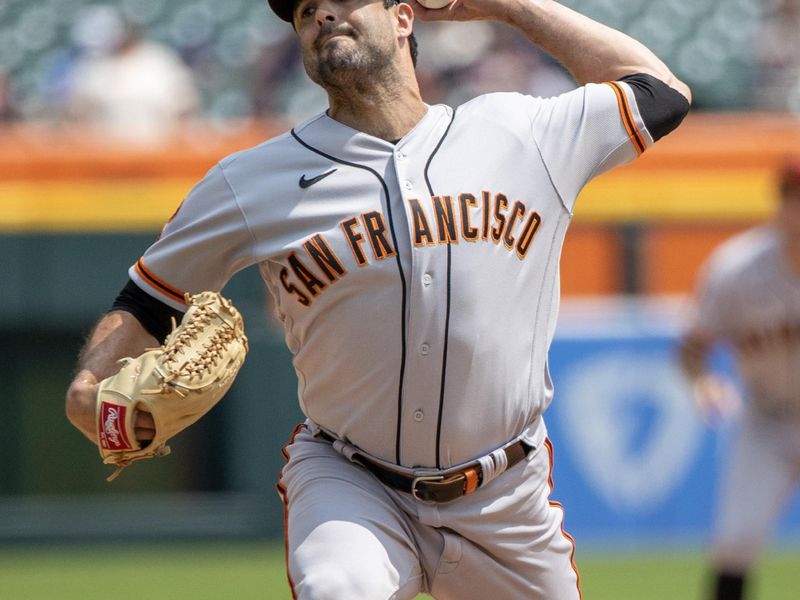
(547, 166)
(241, 212)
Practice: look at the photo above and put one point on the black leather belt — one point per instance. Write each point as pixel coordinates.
(436, 488)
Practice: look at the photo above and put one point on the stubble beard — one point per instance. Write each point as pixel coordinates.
(345, 64)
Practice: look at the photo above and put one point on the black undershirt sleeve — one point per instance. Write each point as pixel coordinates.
(154, 315)
(662, 107)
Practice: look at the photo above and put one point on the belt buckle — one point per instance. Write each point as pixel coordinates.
(423, 478)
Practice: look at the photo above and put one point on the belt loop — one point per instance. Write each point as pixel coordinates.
(471, 483)
(344, 449)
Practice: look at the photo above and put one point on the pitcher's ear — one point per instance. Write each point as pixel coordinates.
(405, 16)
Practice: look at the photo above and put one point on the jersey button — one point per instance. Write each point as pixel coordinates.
(408, 185)
(427, 279)
(418, 415)
(424, 349)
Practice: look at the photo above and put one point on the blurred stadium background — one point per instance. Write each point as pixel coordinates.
(91, 167)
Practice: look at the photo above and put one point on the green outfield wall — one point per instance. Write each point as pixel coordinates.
(221, 475)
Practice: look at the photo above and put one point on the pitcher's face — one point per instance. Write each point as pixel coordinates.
(345, 41)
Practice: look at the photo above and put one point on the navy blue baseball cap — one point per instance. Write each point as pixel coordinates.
(283, 8)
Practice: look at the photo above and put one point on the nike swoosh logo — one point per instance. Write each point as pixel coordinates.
(304, 183)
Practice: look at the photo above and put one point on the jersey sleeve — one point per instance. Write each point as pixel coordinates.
(202, 246)
(588, 131)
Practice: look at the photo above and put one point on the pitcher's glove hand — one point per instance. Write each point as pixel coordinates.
(177, 383)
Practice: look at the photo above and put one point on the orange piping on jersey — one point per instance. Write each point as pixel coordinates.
(627, 118)
(285, 502)
(549, 445)
(158, 284)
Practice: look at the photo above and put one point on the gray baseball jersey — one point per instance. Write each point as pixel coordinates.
(417, 282)
(749, 295)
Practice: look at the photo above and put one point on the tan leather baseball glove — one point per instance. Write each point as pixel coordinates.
(177, 383)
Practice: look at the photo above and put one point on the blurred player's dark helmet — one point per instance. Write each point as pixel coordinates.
(789, 175)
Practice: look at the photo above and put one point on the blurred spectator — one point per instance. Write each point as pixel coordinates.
(512, 63)
(274, 70)
(7, 110)
(128, 87)
(722, 48)
(778, 52)
(497, 59)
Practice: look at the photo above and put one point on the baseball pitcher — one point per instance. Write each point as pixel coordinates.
(412, 253)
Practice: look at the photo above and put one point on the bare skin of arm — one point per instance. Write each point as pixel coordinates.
(590, 51)
(694, 347)
(716, 398)
(117, 335)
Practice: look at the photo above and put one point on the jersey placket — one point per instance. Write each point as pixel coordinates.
(427, 299)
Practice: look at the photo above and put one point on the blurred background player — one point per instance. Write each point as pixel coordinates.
(748, 296)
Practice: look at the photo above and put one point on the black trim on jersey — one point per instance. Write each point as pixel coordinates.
(447, 310)
(154, 315)
(662, 107)
(399, 269)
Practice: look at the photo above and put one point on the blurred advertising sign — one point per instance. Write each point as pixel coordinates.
(633, 462)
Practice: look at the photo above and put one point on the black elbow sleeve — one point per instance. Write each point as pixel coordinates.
(662, 107)
(154, 315)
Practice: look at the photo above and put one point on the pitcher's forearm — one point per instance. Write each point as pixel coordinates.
(117, 335)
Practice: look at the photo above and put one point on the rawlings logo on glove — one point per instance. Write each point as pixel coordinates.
(112, 435)
(177, 383)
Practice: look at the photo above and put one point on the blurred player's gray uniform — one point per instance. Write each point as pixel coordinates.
(749, 296)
